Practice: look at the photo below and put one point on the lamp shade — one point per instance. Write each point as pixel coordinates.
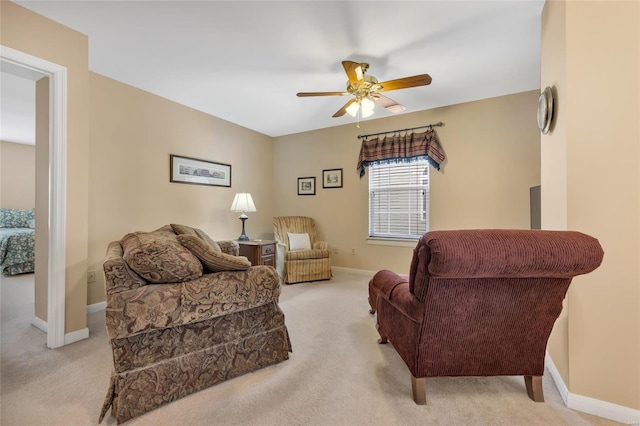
(367, 106)
(243, 202)
(352, 109)
(366, 113)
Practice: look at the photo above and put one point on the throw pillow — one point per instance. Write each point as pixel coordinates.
(188, 230)
(211, 259)
(31, 223)
(159, 259)
(203, 236)
(299, 241)
(182, 229)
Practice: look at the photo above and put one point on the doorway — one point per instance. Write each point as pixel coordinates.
(28, 66)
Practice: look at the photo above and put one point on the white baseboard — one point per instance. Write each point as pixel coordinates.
(76, 336)
(354, 271)
(96, 307)
(40, 324)
(589, 405)
(604, 409)
(557, 378)
(83, 333)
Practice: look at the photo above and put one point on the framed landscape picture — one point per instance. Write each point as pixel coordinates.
(199, 172)
(332, 178)
(307, 186)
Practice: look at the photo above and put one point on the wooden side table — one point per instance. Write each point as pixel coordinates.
(259, 252)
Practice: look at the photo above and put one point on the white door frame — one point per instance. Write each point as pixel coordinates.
(56, 268)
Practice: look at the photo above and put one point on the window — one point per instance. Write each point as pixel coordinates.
(399, 200)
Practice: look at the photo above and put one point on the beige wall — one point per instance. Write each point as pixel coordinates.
(132, 135)
(492, 148)
(35, 35)
(599, 112)
(477, 187)
(17, 175)
(608, 299)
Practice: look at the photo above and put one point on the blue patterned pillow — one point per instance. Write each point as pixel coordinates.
(15, 218)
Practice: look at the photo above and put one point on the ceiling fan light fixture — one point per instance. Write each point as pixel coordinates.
(352, 109)
(367, 107)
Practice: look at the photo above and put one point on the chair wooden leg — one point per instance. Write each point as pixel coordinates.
(383, 337)
(419, 390)
(534, 388)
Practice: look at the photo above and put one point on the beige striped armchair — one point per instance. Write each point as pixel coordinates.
(299, 260)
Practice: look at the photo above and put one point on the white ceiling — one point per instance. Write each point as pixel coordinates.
(245, 61)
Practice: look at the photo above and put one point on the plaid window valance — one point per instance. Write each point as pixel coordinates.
(401, 148)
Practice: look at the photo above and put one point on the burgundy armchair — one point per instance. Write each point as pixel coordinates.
(480, 302)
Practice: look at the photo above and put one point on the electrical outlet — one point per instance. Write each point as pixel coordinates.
(91, 276)
(335, 250)
(353, 251)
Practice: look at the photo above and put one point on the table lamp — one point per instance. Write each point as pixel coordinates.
(243, 202)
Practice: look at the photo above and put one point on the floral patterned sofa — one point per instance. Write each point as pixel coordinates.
(183, 313)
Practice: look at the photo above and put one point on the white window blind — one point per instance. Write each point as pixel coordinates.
(399, 200)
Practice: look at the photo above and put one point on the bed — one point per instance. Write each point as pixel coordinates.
(17, 241)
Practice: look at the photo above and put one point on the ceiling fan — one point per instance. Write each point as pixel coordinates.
(366, 90)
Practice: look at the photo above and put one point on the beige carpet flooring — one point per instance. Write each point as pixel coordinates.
(336, 375)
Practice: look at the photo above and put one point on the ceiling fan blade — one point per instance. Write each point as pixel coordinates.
(343, 110)
(389, 104)
(354, 72)
(305, 94)
(403, 83)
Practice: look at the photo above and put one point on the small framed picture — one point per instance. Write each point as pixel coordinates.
(307, 186)
(332, 178)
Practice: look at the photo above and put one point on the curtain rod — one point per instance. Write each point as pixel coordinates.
(439, 124)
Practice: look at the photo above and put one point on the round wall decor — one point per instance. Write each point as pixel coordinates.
(545, 110)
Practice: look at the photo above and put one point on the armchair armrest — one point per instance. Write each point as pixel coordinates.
(118, 276)
(394, 289)
(385, 281)
(321, 245)
(399, 316)
(281, 253)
